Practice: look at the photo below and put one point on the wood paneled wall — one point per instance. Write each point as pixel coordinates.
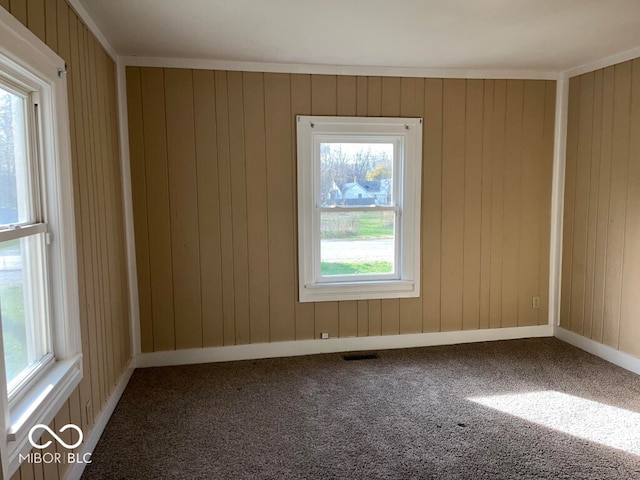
(213, 165)
(601, 245)
(104, 306)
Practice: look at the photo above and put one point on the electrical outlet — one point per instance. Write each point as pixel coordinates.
(324, 335)
(535, 302)
(89, 413)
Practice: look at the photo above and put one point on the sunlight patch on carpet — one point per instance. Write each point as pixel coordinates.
(596, 422)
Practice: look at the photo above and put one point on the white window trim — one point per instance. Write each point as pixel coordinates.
(407, 281)
(31, 59)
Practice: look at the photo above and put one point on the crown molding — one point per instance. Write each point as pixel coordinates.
(86, 18)
(602, 63)
(201, 64)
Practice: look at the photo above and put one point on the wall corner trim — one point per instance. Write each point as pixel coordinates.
(312, 347)
(621, 359)
(557, 200)
(90, 442)
(127, 207)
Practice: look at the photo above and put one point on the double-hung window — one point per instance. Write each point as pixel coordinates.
(358, 207)
(40, 361)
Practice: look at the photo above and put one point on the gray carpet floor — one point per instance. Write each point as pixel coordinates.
(409, 414)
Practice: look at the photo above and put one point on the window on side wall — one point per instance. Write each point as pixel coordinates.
(358, 207)
(40, 336)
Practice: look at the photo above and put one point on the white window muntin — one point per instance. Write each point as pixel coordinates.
(408, 177)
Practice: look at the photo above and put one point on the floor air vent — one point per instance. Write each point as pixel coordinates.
(360, 356)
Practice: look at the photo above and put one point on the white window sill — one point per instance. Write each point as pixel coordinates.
(41, 403)
(338, 291)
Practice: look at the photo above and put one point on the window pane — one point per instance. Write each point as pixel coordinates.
(356, 174)
(22, 301)
(14, 179)
(356, 243)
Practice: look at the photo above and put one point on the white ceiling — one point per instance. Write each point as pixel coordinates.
(541, 35)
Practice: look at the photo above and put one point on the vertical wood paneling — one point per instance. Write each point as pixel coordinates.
(83, 134)
(390, 106)
(26, 472)
(183, 204)
(486, 213)
(95, 329)
(257, 206)
(601, 300)
(581, 203)
(226, 227)
(155, 148)
(206, 150)
(346, 92)
(375, 317)
(453, 160)
(300, 105)
(279, 128)
(104, 195)
(497, 201)
(617, 203)
(511, 216)
(602, 227)
(432, 205)
(61, 419)
(4, 4)
(485, 148)
(630, 306)
(531, 201)
(67, 26)
(374, 97)
(19, 10)
(348, 312)
(362, 95)
(592, 202)
(472, 228)
(239, 207)
(51, 25)
(95, 162)
(36, 18)
(139, 196)
(363, 318)
(324, 95)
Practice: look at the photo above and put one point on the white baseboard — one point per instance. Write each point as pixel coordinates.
(75, 472)
(624, 360)
(311, 347)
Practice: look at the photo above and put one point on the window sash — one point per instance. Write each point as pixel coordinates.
(395, 274)
(34, 263)
(35, 293)
(30, 137)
